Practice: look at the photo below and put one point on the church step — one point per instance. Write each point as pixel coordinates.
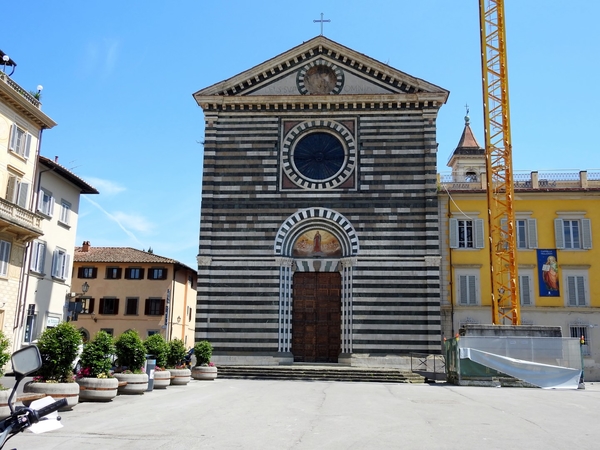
(320, 373)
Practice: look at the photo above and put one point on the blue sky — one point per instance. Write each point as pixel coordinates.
(119, 76)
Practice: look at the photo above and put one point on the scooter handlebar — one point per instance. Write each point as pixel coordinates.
(42, 412)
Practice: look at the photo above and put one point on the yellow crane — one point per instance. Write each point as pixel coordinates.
(499, 171)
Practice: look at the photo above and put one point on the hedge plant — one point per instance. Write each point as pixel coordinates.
(96, 358)
(203, 351)
(157, 347)
(130, 350)
(59, 347)
(175, 353)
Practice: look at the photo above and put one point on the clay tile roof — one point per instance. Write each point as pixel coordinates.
(468, 144)
(120, 255)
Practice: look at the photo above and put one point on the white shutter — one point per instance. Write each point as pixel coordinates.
(559, 233)
(572, 294)
(22, 195)
(586, 233)
(524, 289)
(27, 143)
(472, 290)
(532, 233)
(4, 257)
(55, 260)
(463, 296)
(11, 188)
(65, 268)
(478, 230)
(51, 207)
(13, 137)
(453, 233)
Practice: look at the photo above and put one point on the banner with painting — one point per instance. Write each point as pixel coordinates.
(548, 273)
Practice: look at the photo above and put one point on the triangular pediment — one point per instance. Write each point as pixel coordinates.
(321, 67)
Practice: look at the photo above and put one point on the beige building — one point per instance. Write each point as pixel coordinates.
(21, 125)
(116, 289)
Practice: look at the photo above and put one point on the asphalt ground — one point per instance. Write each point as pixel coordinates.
(263, 414)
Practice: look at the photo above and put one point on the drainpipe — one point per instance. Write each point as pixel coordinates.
(451, 272)
(175, 268)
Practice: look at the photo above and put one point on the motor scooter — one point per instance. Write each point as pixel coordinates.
(25, 362)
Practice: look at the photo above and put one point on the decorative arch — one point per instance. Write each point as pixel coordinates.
(292, 228)
(312, 219)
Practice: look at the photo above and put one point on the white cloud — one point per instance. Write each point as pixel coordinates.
(134, 222)
(118, 220)
(106, 187)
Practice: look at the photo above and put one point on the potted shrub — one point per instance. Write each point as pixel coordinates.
(157, 347)
(95, 379)
(204, 369)
(180, 374)
(59, 347)
(131, 357)
(4, 392)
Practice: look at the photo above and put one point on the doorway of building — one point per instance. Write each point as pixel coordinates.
(316, 316)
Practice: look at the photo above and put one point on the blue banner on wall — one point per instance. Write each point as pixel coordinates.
(548, 273)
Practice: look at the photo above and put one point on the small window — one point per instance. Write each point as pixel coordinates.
(582, 331)
(466, 233)
(525, 289)
(60, 264)
(109, 306)
(4, 257)
(467, 288)
(131, 306)
(65, 212)
(151, 332)
(572, 234)
(190, 310)
(38, 256)
(154, 307)
(576, 282)
(87, 272)
(20, 141)
(134, 273)
(157, 273)
(46, 202)
(17, 191)
(110, 331)
(113, 273)
(87, 305)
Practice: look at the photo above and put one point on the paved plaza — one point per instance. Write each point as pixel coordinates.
(303, 415)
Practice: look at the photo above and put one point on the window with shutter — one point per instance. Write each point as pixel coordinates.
(576, 292)
(154, 307)
(46, 203)
(60, 264)
(573, 233)
(134, 273)
(131, 307)
(525, 290)
(4, 257)
(467, 289)
(20, 141)
(113, 273)
(65, 212)
(157, 273)
(38, 255)
(109, 305)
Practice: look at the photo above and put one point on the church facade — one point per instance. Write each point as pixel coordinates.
(319, 235)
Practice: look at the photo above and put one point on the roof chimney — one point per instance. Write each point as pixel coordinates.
(86, 246)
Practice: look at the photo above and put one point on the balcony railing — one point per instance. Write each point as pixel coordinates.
(543, 180)
(17, 216)
(30, 98)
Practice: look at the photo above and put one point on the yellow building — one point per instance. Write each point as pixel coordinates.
(121, 288)
(21, 125)
(557, 220)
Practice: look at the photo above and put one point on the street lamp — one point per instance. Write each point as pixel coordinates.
(85, 287)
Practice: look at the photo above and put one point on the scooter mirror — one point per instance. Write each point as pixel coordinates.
(26, 361)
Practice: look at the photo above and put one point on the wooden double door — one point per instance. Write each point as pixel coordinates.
(316, 316)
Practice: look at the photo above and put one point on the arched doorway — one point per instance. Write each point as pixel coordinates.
(317, 248)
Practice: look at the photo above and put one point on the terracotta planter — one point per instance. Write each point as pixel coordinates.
(162, 378)
(204, 373)
(180, 377)
(137, 383)
(4, 409)
(70, 391)
(97, 389)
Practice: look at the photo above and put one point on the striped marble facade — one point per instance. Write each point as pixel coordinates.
(383, 213)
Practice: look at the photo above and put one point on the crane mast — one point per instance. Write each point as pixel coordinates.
(499, 172)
